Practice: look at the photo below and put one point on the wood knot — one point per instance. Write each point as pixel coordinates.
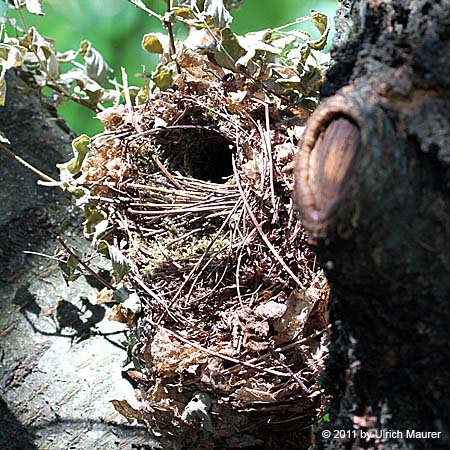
(325, 163)
(330, 163)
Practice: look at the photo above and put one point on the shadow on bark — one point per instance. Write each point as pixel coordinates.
(13, 435)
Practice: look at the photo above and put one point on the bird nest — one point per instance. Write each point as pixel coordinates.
(230, 336)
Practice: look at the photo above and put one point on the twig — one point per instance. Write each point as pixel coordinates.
(158, 299)
(55, 86)
(261, 232)
(169, 26)
(140, 5)
(86, 266)
(199, 261)
(294, 375)
(284, 348)
(31, 168)
(165, 172)
(126, 90)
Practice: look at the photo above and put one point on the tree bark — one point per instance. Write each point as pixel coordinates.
(41, 138)
(372, 181)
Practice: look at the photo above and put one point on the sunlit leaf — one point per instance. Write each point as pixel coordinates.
(4, 139)
(321, 22)
(96, 67)
(216, 14)
(10, 56)
(164, 76)
(120, 264)
(80, 147)
(34, 7)
(155, 42)
(52, 64)
(67, 56)
(185, 12)
(95, 224)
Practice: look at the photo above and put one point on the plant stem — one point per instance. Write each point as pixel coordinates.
(55, 86)
(169, 26)
(31, 168)
(84, 264)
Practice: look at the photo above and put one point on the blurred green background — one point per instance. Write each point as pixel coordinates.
(115, 28)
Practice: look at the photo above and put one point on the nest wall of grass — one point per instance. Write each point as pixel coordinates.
(196, 184)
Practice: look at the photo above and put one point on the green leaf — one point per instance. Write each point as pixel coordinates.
(82, 195)
(184, 12)
(164, 76)
(324, 419)
(80, 148)
(321, 22)
(10, 56)
(155, 43)
(229, 51)
(95, 224)
(52, 64)
(2, 91)
(97, 68)
(120, 264)
(85, 85)
(67, 56)
(103, 249)
(70, 268)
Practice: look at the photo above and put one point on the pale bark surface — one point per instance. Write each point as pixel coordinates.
(59, 363)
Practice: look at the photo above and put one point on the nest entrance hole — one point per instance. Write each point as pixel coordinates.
(201, 154)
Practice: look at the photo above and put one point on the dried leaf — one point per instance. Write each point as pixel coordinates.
(122, 314)
(126, 410)
(101, 297)
(271, 310)
(198, 409)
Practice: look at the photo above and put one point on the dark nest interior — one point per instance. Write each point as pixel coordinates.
(232, 332)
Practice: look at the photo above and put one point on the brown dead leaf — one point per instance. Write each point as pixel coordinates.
(123, 315)
(101, 297)
(271, 310)
(126, 410)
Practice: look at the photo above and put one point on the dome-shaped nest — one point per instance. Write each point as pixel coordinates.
(196, 184)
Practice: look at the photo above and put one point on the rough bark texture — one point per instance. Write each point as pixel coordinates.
(60, 357)
(384, 236)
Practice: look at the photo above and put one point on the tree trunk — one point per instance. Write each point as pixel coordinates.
(372, 182)
(40, 137)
